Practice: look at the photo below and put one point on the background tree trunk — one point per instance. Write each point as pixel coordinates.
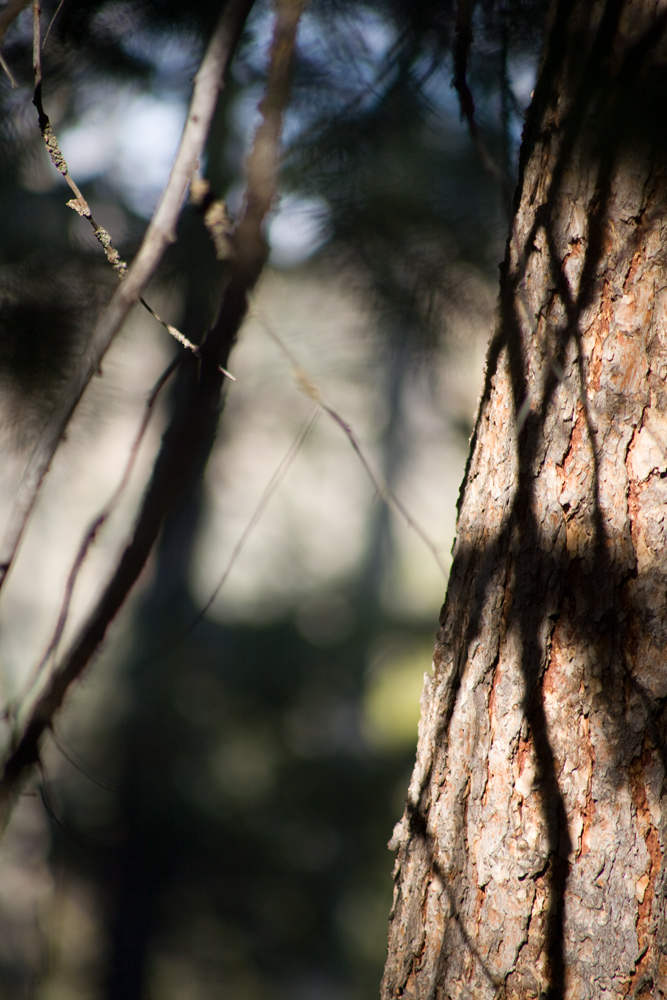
(531, 856)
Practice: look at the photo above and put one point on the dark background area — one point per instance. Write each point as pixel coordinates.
(211, 820)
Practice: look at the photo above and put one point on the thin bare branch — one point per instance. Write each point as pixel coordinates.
(79, 204)
(8, 73)
(270, 489)
(178, 336)
(89, 538)
(310, 389)
(52, 21)
(160, 233)
(78, 764)
(274, 482)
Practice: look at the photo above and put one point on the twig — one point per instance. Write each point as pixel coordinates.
(79, 765)
(160, 233)
(79, 204)
(307, 386)
(179, 337)
(274, 482)
(52, 21)
(90, 536)
(8, 73)
(180, 458)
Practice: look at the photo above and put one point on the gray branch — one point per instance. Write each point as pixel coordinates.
(160, 233)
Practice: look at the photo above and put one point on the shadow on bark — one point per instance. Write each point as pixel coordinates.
(543, 588)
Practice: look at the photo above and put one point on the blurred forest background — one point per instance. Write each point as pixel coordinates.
(211, 814)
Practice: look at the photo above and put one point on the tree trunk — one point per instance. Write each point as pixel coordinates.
(531, 855)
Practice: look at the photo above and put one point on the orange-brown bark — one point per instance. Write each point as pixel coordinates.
(531, 856)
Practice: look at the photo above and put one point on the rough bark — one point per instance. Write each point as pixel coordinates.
(531, 855)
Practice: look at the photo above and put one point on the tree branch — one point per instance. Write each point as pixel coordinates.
(87, 541)
(160, 233)
(187, 440)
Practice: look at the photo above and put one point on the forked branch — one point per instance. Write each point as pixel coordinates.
(160, 233)
(184, 446)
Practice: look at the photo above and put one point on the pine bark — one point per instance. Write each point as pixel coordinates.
(531, 855)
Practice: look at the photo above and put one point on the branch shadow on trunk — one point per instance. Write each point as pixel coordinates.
(541, 592)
